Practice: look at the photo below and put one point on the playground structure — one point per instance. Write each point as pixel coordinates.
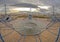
(29, 26)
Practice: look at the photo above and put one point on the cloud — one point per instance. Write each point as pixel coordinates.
(45, 2)
(56, 3)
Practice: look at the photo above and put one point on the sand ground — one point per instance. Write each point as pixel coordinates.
(49, 35)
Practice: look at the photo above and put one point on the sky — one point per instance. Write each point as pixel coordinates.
(45, 2)
(55, 3)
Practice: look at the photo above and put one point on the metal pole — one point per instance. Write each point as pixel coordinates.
(1, 38)
(30, 15)
(5, 7)
(58, 36)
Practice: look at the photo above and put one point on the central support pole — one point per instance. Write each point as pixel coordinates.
(30, 16)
